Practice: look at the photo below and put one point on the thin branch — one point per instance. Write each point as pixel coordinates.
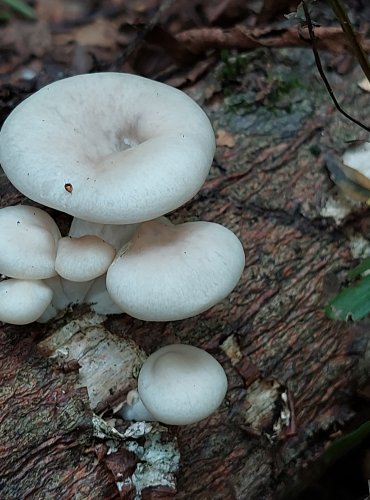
(135, 44)
(351, 36)
(321, 70)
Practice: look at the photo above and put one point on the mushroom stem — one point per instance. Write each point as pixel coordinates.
(114, 234)
(134, 409)
(76, 291)
(99, 299)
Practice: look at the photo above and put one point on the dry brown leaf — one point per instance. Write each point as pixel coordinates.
(200, 40)
(102, 33)
(26, 39)
(62, 10)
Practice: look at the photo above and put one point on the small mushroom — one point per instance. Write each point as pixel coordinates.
(29, 238)
(83, 259)
(178, 385)
(108, 147)
(167, 272)
(23, 301)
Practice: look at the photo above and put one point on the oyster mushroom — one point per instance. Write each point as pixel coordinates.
(178, 385)
(167, 272)
(111, 148)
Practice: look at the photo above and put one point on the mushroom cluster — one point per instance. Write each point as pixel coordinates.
(117, 152)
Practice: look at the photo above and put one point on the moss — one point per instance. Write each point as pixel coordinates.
(234, 66)
(249, 81)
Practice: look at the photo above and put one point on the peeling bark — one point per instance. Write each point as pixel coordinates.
(45, 423)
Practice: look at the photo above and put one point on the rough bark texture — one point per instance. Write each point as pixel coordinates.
(292, 373)
(45, 424)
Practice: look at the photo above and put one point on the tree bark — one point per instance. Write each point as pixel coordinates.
(292, 373)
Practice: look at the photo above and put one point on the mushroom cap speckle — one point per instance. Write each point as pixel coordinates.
(23, 301)
(181, 384)
(84, 258)
(28, 243)
(108, 147)
(168, 272)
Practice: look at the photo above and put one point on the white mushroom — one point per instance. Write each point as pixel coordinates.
(178, 385)
(28, 243)
(23, 301)
(168, 272)
(108, 147)
(83, 259)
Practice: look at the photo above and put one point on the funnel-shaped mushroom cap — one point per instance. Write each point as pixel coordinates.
(108, 147)
(28, 242)
(169, 272)
(181, 384)
(23, 301)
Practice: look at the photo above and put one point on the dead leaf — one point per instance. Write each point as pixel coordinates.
(102, 33)
(57, 11)
(27, 39)
(199, 40)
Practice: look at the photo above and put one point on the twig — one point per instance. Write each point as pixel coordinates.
(321, 70)
(141, 36)
(351, 36)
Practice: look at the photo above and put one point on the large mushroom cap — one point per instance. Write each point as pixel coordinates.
(169, 272)
(28, 243)
(108, 147)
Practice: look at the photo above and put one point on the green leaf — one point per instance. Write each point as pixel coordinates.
(4, 16)
(346, 443)
(351, 303)
(361, 268)
(20, 7)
